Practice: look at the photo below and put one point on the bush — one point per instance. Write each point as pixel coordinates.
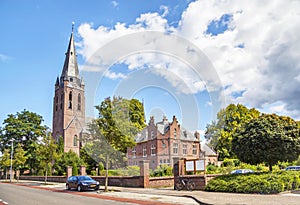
(162, 170)
(264, 182)
(133, 170)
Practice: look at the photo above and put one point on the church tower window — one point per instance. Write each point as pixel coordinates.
(75, 141)
(70, 100)
(79, 102)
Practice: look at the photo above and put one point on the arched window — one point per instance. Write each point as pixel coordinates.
(75, 141)
(79, 102)
(70, 100)
(175, 133)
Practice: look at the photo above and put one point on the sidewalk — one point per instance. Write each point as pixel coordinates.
(170, 196)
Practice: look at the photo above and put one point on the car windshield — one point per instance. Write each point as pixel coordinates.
(84, 178)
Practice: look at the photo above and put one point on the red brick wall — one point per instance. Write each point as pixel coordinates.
(156, 182)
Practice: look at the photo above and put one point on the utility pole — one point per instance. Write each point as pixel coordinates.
(11, 156)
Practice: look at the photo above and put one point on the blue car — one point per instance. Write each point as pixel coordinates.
(293, 168)
(242, 171)
(81, 183)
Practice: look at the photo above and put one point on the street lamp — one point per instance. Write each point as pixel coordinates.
(11, 156)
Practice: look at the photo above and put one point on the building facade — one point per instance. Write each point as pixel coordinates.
(69, 103)
(160, 142)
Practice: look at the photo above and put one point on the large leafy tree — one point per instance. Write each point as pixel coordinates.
(220, 132)
(114, 131)
(25, 128)
(269, 138)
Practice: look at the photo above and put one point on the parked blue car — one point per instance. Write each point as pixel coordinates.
(81, 183)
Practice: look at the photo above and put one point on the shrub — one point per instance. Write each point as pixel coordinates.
(162, 170)
(264, 182)
(133, 170)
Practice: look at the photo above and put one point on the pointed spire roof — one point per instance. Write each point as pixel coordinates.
(70, 68)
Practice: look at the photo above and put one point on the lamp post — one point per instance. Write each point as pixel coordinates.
(11, 156)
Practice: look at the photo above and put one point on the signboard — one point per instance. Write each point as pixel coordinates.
(195, 165)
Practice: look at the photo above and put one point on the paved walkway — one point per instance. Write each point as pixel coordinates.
(170, 196)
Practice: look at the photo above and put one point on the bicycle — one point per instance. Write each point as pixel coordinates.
(184, 183)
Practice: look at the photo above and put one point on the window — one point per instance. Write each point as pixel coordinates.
(134, 153)
(144, 151)
(152, 150)
(79, 102)
(184, 149)
(61, 101)
(152, 134)
(194, 149)
(175, 148)
(56, 102)
(175, 133)
(75, 141)
(70, 100)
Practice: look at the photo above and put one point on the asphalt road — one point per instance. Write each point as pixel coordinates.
(21, 195)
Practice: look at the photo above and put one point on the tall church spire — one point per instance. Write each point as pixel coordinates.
(70, 69)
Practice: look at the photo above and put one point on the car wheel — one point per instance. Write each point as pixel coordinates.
(68, 187)
(79, 188)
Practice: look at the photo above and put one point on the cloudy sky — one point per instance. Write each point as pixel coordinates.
(183, 58)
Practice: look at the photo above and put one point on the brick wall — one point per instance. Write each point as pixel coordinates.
(157, 182)
(42, 178)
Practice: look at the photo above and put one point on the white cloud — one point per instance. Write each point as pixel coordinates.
(4, 58)
(261, 73)
(115, 3)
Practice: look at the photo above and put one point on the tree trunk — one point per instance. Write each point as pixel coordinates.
(270, 168)
(106, 174)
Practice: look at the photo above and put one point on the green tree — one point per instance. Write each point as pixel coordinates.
(113, 132)
(47, 153)
(267, 139)
(220, 132)
(19, 158)
(5, 161)
(67, 159)
(25, 128)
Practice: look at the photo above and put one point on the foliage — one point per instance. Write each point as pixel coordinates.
(265, 183)
(47, 153)
(19, 158)
(67, 159)
(5, 160)
(298, 161)
(24, 128)
(268, 138)
(114, 131)
(219, 133)
(119, 121)
(162, 170)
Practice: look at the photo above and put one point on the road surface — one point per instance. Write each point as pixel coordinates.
(23, 195)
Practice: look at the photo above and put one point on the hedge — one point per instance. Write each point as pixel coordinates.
(263, 182)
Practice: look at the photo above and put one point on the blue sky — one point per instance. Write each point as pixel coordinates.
(256, 59)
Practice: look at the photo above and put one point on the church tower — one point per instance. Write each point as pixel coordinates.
(69, 102)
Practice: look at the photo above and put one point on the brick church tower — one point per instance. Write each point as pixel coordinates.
(69, 103)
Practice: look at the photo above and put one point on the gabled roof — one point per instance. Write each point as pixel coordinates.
(208, 151)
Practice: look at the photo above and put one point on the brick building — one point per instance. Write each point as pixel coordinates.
(69, 103)
(162, 141)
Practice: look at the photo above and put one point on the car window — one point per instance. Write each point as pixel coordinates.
(85, 178)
